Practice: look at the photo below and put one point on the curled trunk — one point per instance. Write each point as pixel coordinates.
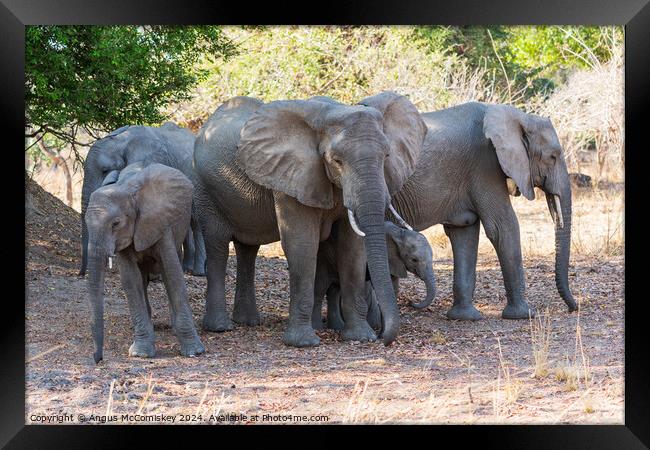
(430, 282)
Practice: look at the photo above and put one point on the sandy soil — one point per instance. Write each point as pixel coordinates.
(438, 371)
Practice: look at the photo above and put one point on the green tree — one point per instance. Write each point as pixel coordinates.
(98, 78)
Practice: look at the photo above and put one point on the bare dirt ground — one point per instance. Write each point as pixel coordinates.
(564, 368)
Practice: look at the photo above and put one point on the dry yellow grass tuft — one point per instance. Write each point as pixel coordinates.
(540, 336)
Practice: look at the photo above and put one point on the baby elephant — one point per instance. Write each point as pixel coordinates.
(408, 251)
(142, 219)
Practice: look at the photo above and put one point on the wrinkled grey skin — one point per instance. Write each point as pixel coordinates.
(460, 179)
(170, 145)
(142, 219)
(286, 171)
(408, 251)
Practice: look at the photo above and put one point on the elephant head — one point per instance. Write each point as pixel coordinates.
(409, 251)
(323, 153)
(530, 154)
(110, 154)
(135, 211)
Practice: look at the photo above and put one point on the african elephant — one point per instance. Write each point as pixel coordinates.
(168, 144)
(142, 219)
(408, 250)
(474, 156)
(287, 170)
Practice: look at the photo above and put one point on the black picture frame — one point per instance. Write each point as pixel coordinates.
(633, 14)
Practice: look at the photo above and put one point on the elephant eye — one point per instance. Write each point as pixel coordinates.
(116, 222)
(414, 260)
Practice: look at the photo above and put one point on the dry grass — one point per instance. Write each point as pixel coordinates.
(540, 336)
(511, 386)
(588, 114)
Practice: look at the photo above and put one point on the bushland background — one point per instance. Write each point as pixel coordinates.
(85, 81)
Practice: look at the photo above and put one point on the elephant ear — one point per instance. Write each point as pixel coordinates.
(163, 196)
(111, 178)
(394, 242)
(503, 125)
(278, 149)
(405, 131)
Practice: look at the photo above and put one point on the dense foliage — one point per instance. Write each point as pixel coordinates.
(99, 78)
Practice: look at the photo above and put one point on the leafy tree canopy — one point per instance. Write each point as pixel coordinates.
(98, 78)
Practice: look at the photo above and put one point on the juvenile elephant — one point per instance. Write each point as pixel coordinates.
(168, 144)
(475, 155)
(408, 250)
(142, 219)
(287, 170)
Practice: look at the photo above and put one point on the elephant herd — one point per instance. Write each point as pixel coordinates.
(342, 187)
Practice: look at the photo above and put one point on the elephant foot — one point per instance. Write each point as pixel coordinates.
(519, 310)
(300, 337)
(317, 323)
(248, 318)
(464, 312)
(360, 331)
(196, 270)
(218, 323)
(335, 322)
(142, 349)
(192, 347)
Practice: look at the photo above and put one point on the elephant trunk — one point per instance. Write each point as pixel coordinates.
(560, 208)
(430, 282)
(90, 184)
(370, 213)
(96, 296)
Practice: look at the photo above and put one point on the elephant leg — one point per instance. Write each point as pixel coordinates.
(144, 274)
(245, 307)
(299, 233)
(395, 281)
(216, 236)
(374, 314)
(464, 245)
(351, 263)
(316, 316)
(503, 231)
(188, 251)
(321, 285)
(172, 273)
(199, 249)
(216, 316)
(334, 317)
(144, 339)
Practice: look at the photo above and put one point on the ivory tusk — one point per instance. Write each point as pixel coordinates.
(399, 218)
(558, 211)
(354, 225)
(110, 262)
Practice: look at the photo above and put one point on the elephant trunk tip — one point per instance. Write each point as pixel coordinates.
(389, 332)
(98, 356)
(423, 304)
(571, 304)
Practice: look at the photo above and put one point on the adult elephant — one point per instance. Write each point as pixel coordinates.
(474, 156)
(287, 170)
(169, 145)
